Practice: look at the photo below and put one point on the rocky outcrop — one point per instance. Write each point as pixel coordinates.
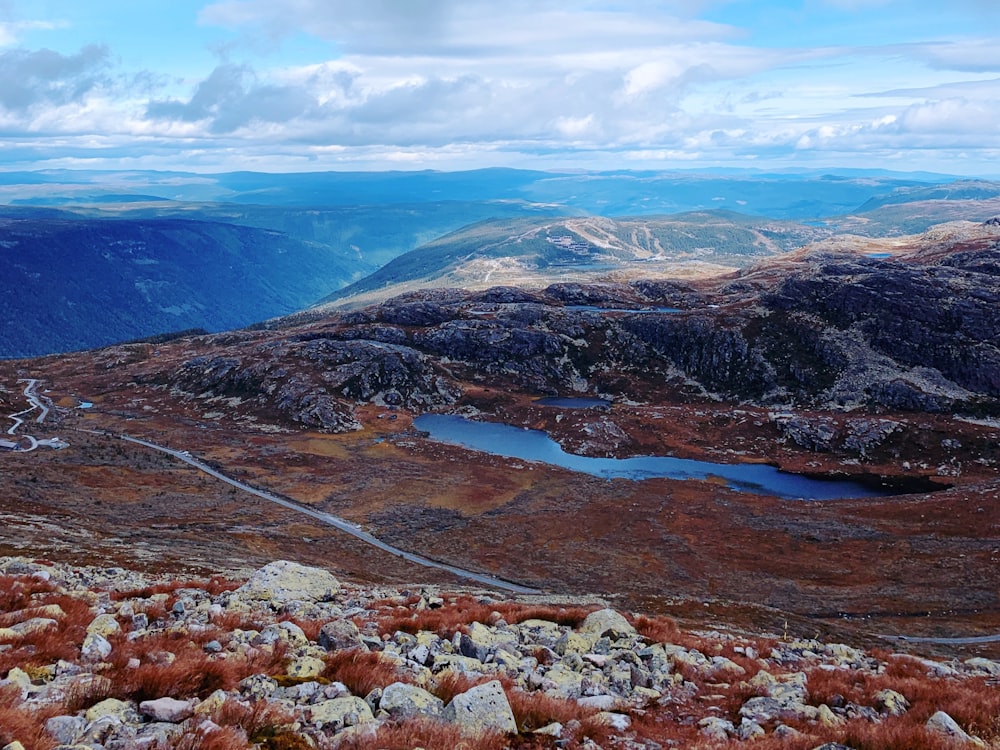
(831, 330)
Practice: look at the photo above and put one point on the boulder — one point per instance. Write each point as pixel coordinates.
(167, 710)
(340, 634)
(942, 724)
(890, 702)
(607, 622)
(104, 625)
(481, 709)
(338, 713)
(716, 728)
(401, 700)
(283, 581)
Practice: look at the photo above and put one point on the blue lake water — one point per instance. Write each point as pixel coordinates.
(574, 402)
(637, 311)
(878, 255)
(535, 445)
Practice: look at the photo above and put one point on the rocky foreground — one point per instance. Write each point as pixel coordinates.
(292, 658)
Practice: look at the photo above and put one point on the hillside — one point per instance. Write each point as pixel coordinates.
(373, 234)
(537, 252)
(71, 283)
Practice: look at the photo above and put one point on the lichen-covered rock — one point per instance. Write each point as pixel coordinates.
(338, 713)
(481, 709)
(340, 634)
(942, 724)
(891, 702)
(283, 581)
(401, 700)
(607, 622)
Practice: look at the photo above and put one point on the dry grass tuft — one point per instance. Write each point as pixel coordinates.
(535, 710)
(361, 671)
(191, 673)
(657, 629)
(463, 610)
(17, 724)
(266, 725)
(19, 592)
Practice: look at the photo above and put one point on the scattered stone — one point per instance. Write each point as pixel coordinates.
(167, 710)
(338, 713)
(340, 634)
(603, 665)
(942, 724)
(400, 700)
(482, 708)
(890, 702)
(716, 728)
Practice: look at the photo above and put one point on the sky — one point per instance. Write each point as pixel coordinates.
(312, 85)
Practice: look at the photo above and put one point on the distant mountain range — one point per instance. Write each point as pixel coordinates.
(92, 258)
(623, 193)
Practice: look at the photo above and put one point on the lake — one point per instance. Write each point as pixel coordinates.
(534, 445)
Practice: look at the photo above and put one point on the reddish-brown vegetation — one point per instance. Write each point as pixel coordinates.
(535, 710)
(361, 671)
(973, 703)
(180, 668)
(464, 610)
(16, 724)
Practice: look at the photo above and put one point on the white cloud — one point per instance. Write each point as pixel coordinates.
(438, 81)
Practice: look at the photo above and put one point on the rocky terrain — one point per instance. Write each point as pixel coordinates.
(916, 331)
(291, 657)
(787, 363)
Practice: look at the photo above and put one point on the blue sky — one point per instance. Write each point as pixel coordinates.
(303, 85)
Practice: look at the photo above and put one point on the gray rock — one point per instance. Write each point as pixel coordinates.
(283, 581)
(483, 708)
(942, 724)
(890, 702)
(749, 730)
(338, 713)
(401, 700)
(166, 710)
(716, 728)
(340, 634)
(258, 686)
(607, 622)
(66, 729)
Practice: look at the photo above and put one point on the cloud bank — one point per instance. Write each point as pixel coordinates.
(342, 84)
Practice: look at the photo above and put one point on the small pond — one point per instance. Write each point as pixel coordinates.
(575, 402)
(535, 445)
(633, 311)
